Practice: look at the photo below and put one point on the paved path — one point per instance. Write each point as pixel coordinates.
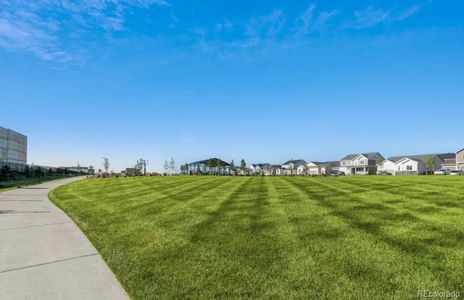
(44, 255)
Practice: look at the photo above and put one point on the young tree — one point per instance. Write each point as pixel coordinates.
(305, 169)
(232, 167)
(378, 161)
(38, 172)
(27, 172)
(243, 166)
(166, 167)
(172, 166)
(218, 166)
(91, 170)
(210, 165)
(292, 167)
(430, 164)
(106, 164)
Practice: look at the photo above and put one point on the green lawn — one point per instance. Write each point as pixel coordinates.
(275, 237)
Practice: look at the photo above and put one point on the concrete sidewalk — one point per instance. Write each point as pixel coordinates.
(44, 255)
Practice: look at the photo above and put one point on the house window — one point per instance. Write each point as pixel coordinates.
(409, 168)
(399, 168)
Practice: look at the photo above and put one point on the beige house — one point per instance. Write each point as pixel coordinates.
(460, 160)
(454, 162)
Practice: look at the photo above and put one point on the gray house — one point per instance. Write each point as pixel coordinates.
(361, 163)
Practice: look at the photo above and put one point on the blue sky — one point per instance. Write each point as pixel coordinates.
(263, 80)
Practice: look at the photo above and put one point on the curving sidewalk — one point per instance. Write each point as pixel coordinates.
(44, 255)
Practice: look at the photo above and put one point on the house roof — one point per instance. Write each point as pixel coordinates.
(421, 158)
(264, 165)
(326, 163)
(446, 156)
(296, 162)
(411, 158)
(369, 155)
(213, 161)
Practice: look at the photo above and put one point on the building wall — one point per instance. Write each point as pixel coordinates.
(460, 157)
(386, 166)
(13, 148)
(415, 168)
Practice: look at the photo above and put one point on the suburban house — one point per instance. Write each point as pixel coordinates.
(388, 166)
(460, 160)
(255, 169)
(261, 169)
(321, 168)
(449, 161)
(414, 164)
(293, 167)
(276, 170)
(361, 163)
(211, 165)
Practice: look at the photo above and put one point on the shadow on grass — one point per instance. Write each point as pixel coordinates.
(372, 218)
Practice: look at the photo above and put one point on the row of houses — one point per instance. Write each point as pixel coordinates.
(353, 164)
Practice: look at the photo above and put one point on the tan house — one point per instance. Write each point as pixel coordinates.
(460, 160)
(453, 161)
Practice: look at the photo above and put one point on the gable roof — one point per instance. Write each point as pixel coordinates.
(296, 162)
(410, 158)
(421, 158)
(446, 156)
(326, 163)
(369, 155)
(261, 166)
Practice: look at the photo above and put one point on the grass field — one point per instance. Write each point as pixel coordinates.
(275, 237)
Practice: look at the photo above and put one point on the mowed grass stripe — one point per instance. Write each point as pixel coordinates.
(414, 240)
(345, 257)
(274, 238)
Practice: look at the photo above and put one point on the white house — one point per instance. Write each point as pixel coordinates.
(321, 168)
(291, 167)
(361, 164)
(261, 169)
(276, 170)
(410, 166)
(414, 164)
(387, 166)
(255, 169)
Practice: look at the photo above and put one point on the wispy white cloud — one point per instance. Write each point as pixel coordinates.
(44, 27)
(371, 16)
(311, 21)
